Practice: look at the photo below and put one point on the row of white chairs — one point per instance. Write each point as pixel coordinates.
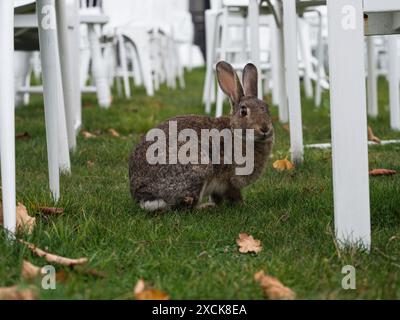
(72, 31)
(354, 54)
(228, 36)
(227, 19)
(145, 53)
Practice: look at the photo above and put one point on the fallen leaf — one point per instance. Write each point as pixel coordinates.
(62, 276)
(286, 127)
(52, 258)
(273, 289)
(15, 293)
(24, 220)
(382, 172)
(372, 137)
(29, 271)
(283, 164)
(22, 136)
(87, 105)
(90, 164)
(114, 133)
(142, 293)
(247, 244)
(51, 210)
(88, 135)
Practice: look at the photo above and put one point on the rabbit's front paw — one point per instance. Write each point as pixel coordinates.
(205, 206)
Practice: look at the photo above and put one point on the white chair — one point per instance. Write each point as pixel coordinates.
(220, 20)
(27, 26)
(92, 19)
(348, 103)
(7, 126)
(57, 141)
(384, 50)
(222, 17)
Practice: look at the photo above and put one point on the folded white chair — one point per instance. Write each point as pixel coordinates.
(93, 18)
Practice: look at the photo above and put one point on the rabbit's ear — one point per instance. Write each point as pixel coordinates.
(229, 82)
(250, 80)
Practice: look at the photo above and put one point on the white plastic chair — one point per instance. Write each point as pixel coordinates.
(56, 133)
(93, 18)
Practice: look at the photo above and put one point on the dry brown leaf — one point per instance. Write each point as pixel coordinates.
(88, 135)
(29, 271)
(286, 127)
(283, 164)
(52, 258)
(372, 137)
(62, 276)
(273, 289)
(87, 105)
(90, 164)
(114, 133)
(22, 136)
(247, 244)
(51, 210)
(24, 220)
(15, 293)
(382, 172)
(143, 293)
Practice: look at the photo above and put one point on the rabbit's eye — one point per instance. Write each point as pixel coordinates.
(243, 111)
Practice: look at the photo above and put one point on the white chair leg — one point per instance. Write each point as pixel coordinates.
(124, 65)
(274, 62)
(7, 121)
(320, 65)
(292, 80)
(253, 19)
(21, 72)
(211, 32)
(51, 88)
(179, 67)
(84, 67)
(280, 58)
(140, 37)
(64, 163)
(147, 74)
(99, 69)
(27, 96)
(349, 124)
(223, 45)
(66, 63)
(394, 83)
(305, 47)
(372, 79)
(137, 76)
(76, 56)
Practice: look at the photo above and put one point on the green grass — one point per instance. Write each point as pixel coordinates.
(193, 255)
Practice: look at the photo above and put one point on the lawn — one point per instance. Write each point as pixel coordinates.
(193, 255)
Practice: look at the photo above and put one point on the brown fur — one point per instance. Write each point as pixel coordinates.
(184, 185)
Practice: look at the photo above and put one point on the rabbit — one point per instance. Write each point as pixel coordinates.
(160, 187)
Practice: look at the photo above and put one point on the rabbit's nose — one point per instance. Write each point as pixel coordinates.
(264, 130)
